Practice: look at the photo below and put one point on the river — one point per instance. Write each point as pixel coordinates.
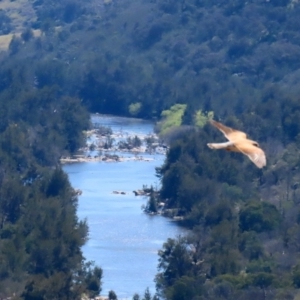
(123, 240)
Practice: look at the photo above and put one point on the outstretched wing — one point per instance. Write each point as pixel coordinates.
(256, 154)
(230, 133)
(225, 145)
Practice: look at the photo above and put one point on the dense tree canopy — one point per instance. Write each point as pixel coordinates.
(182, 61)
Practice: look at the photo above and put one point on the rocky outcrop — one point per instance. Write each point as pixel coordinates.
(178, 218)
(119, 192)
(140, 193)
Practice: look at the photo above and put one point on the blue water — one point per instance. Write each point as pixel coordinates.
(130, 125)
(123, 240)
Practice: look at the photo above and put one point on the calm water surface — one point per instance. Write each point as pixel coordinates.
(123, 240)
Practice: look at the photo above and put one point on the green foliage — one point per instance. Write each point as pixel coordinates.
(174, 262)
(136, 297)
(90, 279)
(152, 203)
(40, 235)
(147, 294)
(201, 118)
(239, 281)
(112, 295)
(238, 60)
(184, 289)
(258, 266)
(172, 118)
(262, 279)
(259, 216)
(219, 212)
(224, 257)
(135, 108)
(296, 276)
(250, 246)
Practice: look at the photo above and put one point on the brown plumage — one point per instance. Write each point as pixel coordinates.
(238, 142)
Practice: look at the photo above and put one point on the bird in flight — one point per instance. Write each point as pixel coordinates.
(238, 142)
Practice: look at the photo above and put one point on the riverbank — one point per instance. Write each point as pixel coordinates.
(103, 158)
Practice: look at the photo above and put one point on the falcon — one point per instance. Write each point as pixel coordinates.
(238, 142)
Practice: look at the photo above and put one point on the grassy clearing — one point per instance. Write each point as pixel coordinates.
(5, 39)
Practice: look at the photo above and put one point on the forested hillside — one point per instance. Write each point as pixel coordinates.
(245, 221)
(183, 60)
(141, 57)
(40, 234)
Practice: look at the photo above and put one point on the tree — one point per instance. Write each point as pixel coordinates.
(259, 216)
(147, 294)
(174, 262)
(136, 297)
(185, 288)
(92, 280)
(112, 295)
(15, 45)
(27, 34)
(152, 202)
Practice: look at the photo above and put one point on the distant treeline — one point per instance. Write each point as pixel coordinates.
(141, 57)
